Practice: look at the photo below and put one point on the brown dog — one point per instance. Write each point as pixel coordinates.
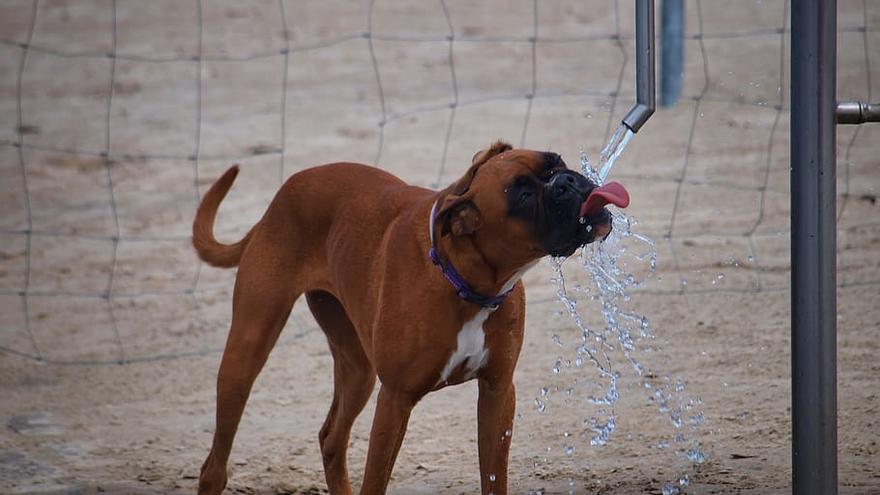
(356, 241)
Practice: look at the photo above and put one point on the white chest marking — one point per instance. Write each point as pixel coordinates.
(471, 348)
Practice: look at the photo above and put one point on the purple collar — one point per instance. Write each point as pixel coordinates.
(462, 288)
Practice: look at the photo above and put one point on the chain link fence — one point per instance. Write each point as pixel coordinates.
(118, 114)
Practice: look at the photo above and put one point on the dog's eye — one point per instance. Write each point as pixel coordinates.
(547, 175)
(524, 196)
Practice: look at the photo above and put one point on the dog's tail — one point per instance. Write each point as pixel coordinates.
(208, 248)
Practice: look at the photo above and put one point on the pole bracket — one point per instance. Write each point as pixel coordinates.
(857, 112)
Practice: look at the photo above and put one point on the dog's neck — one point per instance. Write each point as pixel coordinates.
(476, 267)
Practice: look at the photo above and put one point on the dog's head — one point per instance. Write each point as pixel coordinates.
(526, 203)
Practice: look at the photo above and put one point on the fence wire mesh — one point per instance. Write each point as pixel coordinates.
(118, 114)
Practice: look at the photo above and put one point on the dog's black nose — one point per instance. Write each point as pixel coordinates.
(563, 186)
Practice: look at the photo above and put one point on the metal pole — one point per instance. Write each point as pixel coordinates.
(645, 76)
(813, 247)
(671, 50)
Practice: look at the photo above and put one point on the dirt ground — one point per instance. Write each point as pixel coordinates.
(110, 329)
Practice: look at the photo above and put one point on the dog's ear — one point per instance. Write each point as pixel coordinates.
(456, 212)
(458, 215)
(483, 156)
(462, 185)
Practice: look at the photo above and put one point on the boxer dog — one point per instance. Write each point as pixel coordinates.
(416, 287)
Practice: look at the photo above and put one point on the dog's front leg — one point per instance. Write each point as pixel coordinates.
(389, 427)
(495, 409)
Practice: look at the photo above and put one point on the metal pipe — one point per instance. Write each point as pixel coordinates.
(813, 247)
(857, 112)
(645, 76)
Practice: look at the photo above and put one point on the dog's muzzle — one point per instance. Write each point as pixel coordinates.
(577, 207)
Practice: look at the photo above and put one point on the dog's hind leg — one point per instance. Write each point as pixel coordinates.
(262, 301)
(353, 377)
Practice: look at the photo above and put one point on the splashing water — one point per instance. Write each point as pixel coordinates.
(623, 262)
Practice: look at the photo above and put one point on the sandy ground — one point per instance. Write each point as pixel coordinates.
(95, 265)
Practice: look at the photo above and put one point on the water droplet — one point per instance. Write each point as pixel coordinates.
(668, 489)
(696, 455)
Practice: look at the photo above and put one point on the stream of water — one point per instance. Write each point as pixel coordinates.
(614, 345)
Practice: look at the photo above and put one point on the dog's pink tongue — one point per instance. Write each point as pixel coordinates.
(611, 193)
